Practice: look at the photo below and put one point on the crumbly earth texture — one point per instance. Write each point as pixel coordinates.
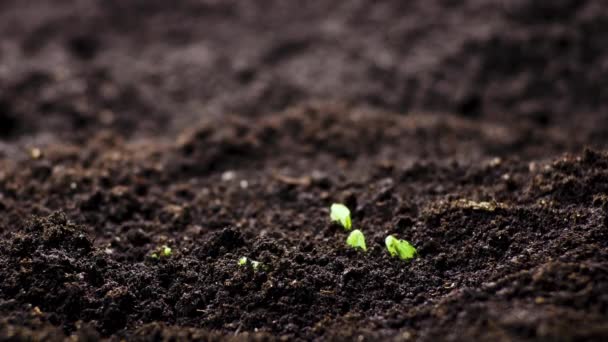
(476, 130)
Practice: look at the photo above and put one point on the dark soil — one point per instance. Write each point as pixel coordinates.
(475, 129)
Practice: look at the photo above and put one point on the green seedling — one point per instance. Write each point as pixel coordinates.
(356, 240)
(401, 248)
(340, 213)
(255, 264)
(164, 251)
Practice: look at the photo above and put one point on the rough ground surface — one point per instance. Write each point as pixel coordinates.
(474, 129)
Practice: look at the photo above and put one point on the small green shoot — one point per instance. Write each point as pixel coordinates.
(255, 264)
(401, 248)
(165, 251)
(341, 214)
(162, 252)
(356, 239)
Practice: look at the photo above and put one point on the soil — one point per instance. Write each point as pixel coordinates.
(477, 130)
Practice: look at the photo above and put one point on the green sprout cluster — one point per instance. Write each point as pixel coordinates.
(396, 247)
(341, 214)
(243, 261)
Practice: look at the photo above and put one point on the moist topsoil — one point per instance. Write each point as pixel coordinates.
(476, 130)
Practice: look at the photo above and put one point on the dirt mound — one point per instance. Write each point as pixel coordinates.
(146, 146)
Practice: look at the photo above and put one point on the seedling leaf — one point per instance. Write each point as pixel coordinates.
(162, 252)
(165, 251)
(255, 264)
(340, 213)
(401, 248)
(244, 260)
(356, 239)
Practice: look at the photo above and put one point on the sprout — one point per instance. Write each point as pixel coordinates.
(244, 260)
(400, 248)
(356, 240)
(255, 264)
(165, 251)
(340, 213)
